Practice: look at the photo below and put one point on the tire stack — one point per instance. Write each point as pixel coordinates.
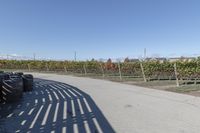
(12, 86)
(28, 82)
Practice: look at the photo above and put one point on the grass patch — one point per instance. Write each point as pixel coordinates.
(185, 88)
(156, 83)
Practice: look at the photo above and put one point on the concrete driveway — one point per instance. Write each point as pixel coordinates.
(62, 103)
(132, 109)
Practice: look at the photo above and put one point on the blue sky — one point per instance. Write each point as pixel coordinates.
(99, 28)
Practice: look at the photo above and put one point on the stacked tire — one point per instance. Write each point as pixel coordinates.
(3, 76)
(12, 90)
(12, 86)
(28, 82)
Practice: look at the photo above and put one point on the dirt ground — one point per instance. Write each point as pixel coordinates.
(186, 87)
(166, 85)
(189, 89)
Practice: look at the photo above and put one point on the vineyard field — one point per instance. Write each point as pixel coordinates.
(152, 70)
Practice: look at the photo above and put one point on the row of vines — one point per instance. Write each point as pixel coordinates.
(152, 69)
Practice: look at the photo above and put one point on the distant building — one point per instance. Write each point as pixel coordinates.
(131, 60)
(134, 60)
(160, 59)
(184, 59)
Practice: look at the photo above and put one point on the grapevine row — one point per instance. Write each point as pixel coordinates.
(152, 69)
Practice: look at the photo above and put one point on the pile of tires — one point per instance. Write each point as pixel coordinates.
(12, 86)
(28, 82)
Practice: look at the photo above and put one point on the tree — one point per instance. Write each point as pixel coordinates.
(126, 60)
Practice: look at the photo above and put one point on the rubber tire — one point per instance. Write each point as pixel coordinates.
(12, 90)
(3, 76)
(15, 76)
(28, 76)
(9, 73)
(1, 71)
(1, 80)
(19, 73)
(28, 82)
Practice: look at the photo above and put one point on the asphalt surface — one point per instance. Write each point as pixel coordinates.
(108, 107)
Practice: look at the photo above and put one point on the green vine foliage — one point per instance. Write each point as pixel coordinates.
(155, 69)
(152, 69)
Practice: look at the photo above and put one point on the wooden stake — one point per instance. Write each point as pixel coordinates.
(29, 68)
(47, 67)
(176, 75)
(65, 69)
(120, 73)
(103, 73)
(143, 74)
(84, 67)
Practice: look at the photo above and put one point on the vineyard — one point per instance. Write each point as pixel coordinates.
(147, 71)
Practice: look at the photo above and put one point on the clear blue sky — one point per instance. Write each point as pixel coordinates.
(99, 28)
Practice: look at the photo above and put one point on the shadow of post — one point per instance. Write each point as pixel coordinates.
(53, 107)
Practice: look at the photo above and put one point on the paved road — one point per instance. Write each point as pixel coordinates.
(132, 109)
(67, 104)
(53, 107)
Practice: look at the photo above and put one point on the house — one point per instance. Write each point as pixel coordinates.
(160, 59)
(184, 59)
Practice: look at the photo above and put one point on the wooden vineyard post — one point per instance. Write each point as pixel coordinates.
(47, 67)
(29, 68)
(176, 75)
(143, 74)
(84, 67)
(103, 73)
(196, 77)
(65, 69)
(120, 73)
(195, 81)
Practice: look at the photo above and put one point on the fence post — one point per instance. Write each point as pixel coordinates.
(65, 69)
(47, 67)
(120, 73)
(103, 73)
(84, 67)
(29, 68)
(143, 74)
(176, 75)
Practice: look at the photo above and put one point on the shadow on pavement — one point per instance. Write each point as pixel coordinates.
(53, 107)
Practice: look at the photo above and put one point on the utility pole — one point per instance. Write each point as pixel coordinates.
(34, 56)
(145, 53)
(75, 56)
